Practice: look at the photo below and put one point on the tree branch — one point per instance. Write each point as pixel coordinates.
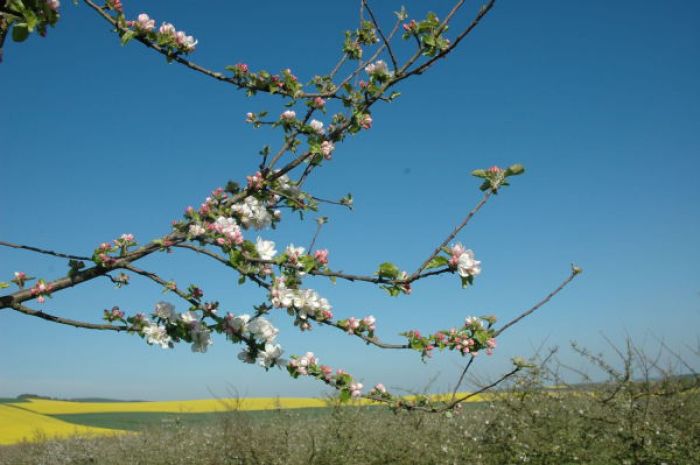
(539, 304)
(454, 233)
(44, 251)
(66, 321)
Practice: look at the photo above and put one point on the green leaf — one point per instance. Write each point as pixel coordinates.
(514, 170)
(437, 262)
(127, 36)
(479, 173)
(4, 285)
(388, 270)
(31, 19)
(20, 32)
(344, 395)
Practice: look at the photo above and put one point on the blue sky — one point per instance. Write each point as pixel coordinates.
(599, 101)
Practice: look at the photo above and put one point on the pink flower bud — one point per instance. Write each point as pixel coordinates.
(321, 256)
(288, 115)
(166, 29)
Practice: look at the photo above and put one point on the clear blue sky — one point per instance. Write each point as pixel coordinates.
(599, 100)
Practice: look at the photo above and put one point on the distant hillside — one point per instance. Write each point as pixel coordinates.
(24, 397)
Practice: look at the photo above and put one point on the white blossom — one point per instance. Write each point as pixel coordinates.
(266, 249)
(157, 334)
(228, 228)
(288, 115)
(189, 318)
(262, 329)
(165, 311)
(467, 265)
(197, 230)
(201, 338)
(327, 148)
(317, 126)
(270, 356)
(378, 68)
(166, 29)
(252, 213)
(144, 23)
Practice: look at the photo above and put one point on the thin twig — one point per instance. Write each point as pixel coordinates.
(461, 377)
(44, 251)
(66, 321)
(381, 34)
(369, 340)
(534, 308)
(454, 232)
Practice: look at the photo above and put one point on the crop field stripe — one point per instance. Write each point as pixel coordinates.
(17, 424)
(52, 407)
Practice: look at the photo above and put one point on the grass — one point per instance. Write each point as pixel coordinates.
(525, 426)
(632, 419)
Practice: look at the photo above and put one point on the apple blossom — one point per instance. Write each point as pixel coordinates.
(197, 230)
(467, 265)
(187, 43)
(270, 356)
(167, 29)
(288, 115)
(266, 249)
(379, 388)
(262, 329)
(365, 121)
(356, 389)
(201, 338)
(317, 126)
(321, 256)
(166, 311)
(327, 148)
(189, 318)
(369, 321)
(294, 253)
(236, 325)
(252, 212)
(144, 23)
(157, 335)
(228, 228)
(53, 4)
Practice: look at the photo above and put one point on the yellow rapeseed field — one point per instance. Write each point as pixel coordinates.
(58, 407)
(17, 425)
(31, 419)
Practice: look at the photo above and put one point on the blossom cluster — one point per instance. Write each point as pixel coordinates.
(308, 365)
(20, 278)
(464, 262)
(169, 327)
(305, 304)
(101, 255)
(378, 71)
(267, 353)
(41, 290)
(115, 314)
(475, 335)
(359, 326)
(285, 83)
(222, 222)
(166, 36)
